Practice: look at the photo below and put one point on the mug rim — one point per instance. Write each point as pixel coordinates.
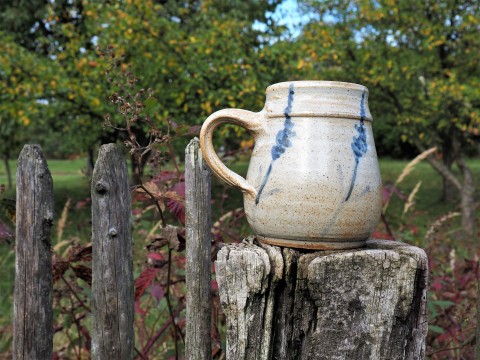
(318, 83)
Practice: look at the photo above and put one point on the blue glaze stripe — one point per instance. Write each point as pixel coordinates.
(264, 182)
(359, 143)
(282, 140)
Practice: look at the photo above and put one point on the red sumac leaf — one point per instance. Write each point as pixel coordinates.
(155, 256)
(79, 253)
(6, 232)
(157, 292)
(144, 280)
(165, 175)
(86, 336)
(381, 235)
(138, 308)
(177, 208)
(84, 273)
(59, 268)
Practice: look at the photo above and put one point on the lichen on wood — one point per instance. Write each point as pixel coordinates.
(355, 304)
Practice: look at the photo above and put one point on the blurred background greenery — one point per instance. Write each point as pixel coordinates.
(418, 58)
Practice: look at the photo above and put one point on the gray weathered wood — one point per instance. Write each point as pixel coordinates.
(354, 304)
(33, 318)
(198, 227)
(112, 277)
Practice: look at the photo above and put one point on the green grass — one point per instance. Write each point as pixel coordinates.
(429, 205)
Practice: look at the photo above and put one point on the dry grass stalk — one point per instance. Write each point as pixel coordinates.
(411, 198)
(63, 220)
(435, 227)
(411, 165)
(408, 169)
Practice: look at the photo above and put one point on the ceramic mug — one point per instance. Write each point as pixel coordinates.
(313, 180)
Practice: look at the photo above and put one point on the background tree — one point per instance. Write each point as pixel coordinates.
(420, 62)
(196, 56)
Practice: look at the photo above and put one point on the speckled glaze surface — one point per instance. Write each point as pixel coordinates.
(313, 179)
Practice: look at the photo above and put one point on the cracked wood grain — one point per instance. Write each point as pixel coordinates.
(112, 265)
(355, 304)
(33, 317)
(198, 247)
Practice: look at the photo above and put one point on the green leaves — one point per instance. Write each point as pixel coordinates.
(415, 58)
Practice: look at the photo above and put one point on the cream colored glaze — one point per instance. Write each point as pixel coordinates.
(305, 198)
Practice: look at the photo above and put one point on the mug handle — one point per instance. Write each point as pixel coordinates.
(246, 119)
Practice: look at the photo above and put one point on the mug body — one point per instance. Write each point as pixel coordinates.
(315, 167)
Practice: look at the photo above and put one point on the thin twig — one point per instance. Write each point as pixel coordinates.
(75, 294)
(140, 354)
(77, 325)
(387, 226)
(172, 156)
(167, 297)
(141, 186)
(159, 333)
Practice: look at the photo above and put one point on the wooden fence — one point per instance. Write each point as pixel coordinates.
(112, 265)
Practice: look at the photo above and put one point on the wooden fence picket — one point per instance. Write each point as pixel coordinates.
(33, 317)
(112, 265)
(198, 277)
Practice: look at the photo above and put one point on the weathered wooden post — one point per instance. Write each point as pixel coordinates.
(112, 278)
(33, 317)
(198, 278)
(283, 303)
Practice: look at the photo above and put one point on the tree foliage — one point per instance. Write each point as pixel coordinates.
(197, 56)
(419, 60)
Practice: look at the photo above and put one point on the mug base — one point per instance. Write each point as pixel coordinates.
(313, 244)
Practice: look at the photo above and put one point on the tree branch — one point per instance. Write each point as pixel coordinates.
(441, 168)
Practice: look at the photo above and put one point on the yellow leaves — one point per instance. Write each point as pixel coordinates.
(95, 102)
(301, 64)
(404, 137)
(180, 98)
(378, 15)
(53, 84)
(207, 106)
(121, 14)
(247, 144)
(81, 63)
(426, 31)
(436, 43)
(25, 121)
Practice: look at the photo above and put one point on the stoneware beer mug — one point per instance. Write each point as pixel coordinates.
(313, 180)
